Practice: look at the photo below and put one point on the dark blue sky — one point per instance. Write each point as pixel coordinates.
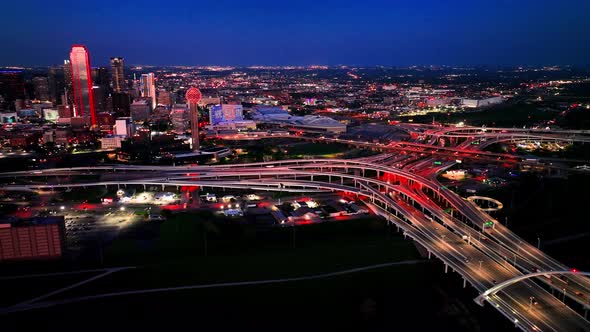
(265, 32)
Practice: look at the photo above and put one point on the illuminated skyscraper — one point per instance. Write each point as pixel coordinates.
(82, 83)
(41, 85)
(56, 83)
(12, 88)
(68, 92)
(148, 87)
(193, 95)
(118, 74)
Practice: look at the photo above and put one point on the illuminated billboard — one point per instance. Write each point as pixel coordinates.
(8, 117)
(50, 115)
(226, 113)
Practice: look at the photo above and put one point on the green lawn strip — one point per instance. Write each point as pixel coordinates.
(177, 258)
(18, 290)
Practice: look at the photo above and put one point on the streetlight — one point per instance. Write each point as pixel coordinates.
(122, 208)
(62, 207)
(564, 296)
(514, 259)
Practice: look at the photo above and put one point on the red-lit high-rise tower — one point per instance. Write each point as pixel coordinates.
(193, 96)
(82, 83)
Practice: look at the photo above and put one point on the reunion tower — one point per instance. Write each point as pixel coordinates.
(193, 96)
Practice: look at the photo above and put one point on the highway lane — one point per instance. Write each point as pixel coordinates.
(454, 256)
(328, 164)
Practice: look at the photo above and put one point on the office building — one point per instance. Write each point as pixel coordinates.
(100, 99)
(121, 102)
(41, 87)
(12, 88)
(68, 92)
(65, 111)
(229, 117)
(105, 121)
(100, 78)
(111, 142)
(56, 81)
(147, 86)
(124, 127)
(118, 74)
(179, 117)
(82, 83)
(141, 109)
(164, 98)
(40, 238)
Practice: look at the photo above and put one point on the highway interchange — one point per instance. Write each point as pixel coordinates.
(405, 191)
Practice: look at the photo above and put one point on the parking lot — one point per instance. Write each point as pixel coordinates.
(89, 227)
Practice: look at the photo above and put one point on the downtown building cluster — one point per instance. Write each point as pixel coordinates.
(140, 113)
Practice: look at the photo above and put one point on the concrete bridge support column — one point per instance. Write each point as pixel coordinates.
(464, 282)
(446, 268)
(429, 254)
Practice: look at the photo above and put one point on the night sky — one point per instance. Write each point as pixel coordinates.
(303, 32)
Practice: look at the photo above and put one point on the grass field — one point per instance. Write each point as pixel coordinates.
(374, 300)
(314, 149)
(504, 115)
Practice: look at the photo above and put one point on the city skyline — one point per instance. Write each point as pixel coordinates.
(309, 165)
(326, 33)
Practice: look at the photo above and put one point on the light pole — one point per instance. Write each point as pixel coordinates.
(514, 259)
(538, 242)
(564, 296)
